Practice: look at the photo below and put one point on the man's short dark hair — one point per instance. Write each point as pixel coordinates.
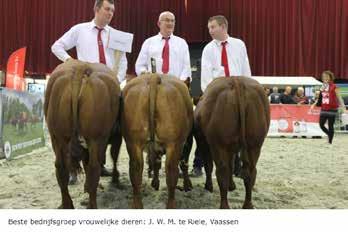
(99, 3)
(220, 19)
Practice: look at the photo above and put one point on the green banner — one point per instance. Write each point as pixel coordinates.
(22, 128)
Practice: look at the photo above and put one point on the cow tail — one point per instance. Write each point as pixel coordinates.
(77, 82)
(154, 81)
(240, 92)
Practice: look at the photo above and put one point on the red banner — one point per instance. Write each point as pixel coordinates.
(294, 120)
(15, 70)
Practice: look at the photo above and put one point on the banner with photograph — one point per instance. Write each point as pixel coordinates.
(22, 122)
(294, 120)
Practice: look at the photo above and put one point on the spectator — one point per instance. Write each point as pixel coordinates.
(286, 98)
(299, 97)
(267, 91)
(275, 96)
(312, 100)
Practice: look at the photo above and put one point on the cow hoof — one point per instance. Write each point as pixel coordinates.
(119, 186)
(66, 207)
(137, 204)
(187, 185)
(209, 187)
(171, 204)
(115, 179)
(116, 182)
(84, 202)
(155, 184)
(224, 206)
(232, 186)
(248, 206)
(72, 180)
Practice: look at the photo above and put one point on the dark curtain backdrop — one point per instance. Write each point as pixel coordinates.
(283, 37)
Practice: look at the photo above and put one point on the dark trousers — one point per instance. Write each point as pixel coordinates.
(328, 116)
(198, 160)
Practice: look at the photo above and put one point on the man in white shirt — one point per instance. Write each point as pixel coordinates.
(91, 40)
(170, 52)
(224, 55)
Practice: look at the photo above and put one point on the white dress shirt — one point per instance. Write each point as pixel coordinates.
(84, 36)
(238, 62)
(179, 56)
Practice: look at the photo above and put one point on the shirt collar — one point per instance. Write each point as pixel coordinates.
(160, 36)
(218, 42)
(93, 25)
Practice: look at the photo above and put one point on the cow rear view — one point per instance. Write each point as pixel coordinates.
(157, 117)
(232, 116)
(81, 103)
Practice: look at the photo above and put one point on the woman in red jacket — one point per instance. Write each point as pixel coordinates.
(329, 103)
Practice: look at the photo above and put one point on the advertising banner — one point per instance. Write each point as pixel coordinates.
(22, 122)
(15, 70)
(294, 120)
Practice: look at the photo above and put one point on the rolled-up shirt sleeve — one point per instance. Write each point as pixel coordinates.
(206, 69)
(66, 42)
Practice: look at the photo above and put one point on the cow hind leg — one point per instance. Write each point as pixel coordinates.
(96, 153)
(115, 151)
(85, 168)
(186, 178)
(203, 147)
(136, 165)
(172, 172)
(250, 176)
(184, 162)
(62, 175)
(222, 162)
(232, 185)
(208, 168)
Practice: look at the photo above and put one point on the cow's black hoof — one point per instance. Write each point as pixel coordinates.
(187, 185)
(248, 205)
(209, 187)
(155, 184)
(232, 186)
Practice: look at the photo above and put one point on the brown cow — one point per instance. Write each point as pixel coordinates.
(233, 115)
(82, 100)
(157, 116)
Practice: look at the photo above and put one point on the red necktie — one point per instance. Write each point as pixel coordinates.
(165, 56)
(224, 60)
(101, 47)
